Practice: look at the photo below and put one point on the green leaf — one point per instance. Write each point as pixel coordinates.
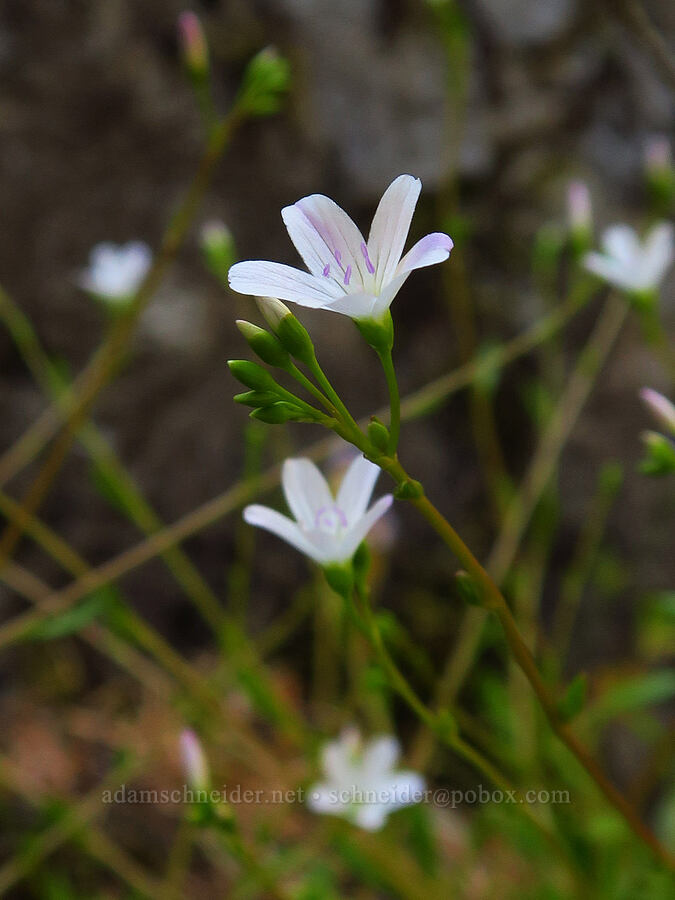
(635, 693)
(95, 605)
(572, 701)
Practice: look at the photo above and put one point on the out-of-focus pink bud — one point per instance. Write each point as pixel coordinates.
(658, 156)
(195, 766)
(660, 407)
(579, 210)
(194, 49)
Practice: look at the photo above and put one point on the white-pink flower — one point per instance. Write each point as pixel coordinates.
(116, 271)
(347, 274)
(631, 264)
(327, 529)
(362, 783)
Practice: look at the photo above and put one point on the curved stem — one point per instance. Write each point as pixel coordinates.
(394, 399)
(494, 601)
(334, 398)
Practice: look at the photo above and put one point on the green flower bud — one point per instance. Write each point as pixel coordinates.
(256, 398)
(467, 588)
(379, 333)
(218, 248)
(266, 79)
(252, 375)
(378, 435)
(660, 458)
(291, 333)
(278, 413)
(572, 702)
(264, 344)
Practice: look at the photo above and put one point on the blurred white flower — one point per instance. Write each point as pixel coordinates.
(116, 271)
(327, 529)
(361, 782)
(660, 407)
(346, 274)
(630, 264)
(195, 766)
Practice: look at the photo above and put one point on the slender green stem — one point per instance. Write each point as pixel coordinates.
(309, 386)
(334, 398)
(445, 729)
(107, 359)
(394, 399)
(494, 601)
(422, 402)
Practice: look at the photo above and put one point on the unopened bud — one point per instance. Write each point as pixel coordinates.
(291, 333)
(264, 344)
(252, 375)
(660, 407)
(218, 248)
(378, 435)
(660, 174)
(579, 216)
(278, 413)
(265, 81)
(660, 458)
(256, 399)
(194, 49)
(195, 766)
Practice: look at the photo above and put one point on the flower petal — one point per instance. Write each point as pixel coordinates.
(391, 224)
(361, 528)
(321, 798)
(657, 254)
(432, 249)
(305, 489)
(270, 279)
(611, 270)
(282, 526)
(370, 816)
(621, 242)
(356, 488)
(356, 306)
(403, 789)
(337, 232)
(380, 756)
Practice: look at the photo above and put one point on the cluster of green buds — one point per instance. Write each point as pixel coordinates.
(264, 83)
(287, 341)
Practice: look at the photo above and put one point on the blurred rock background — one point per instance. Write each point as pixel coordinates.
(98, 137)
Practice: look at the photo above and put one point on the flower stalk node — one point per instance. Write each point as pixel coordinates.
(410, 489)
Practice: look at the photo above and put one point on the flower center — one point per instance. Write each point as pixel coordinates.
(330, 519)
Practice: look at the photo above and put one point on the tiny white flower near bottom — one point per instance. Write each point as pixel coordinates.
(361, 781)
(327, 529)
(631, 264)
(115, 272)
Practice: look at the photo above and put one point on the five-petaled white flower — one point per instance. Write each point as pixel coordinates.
(630, 264)
(346, 274)
(362, 784)
(327, 529)
(116, 271)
